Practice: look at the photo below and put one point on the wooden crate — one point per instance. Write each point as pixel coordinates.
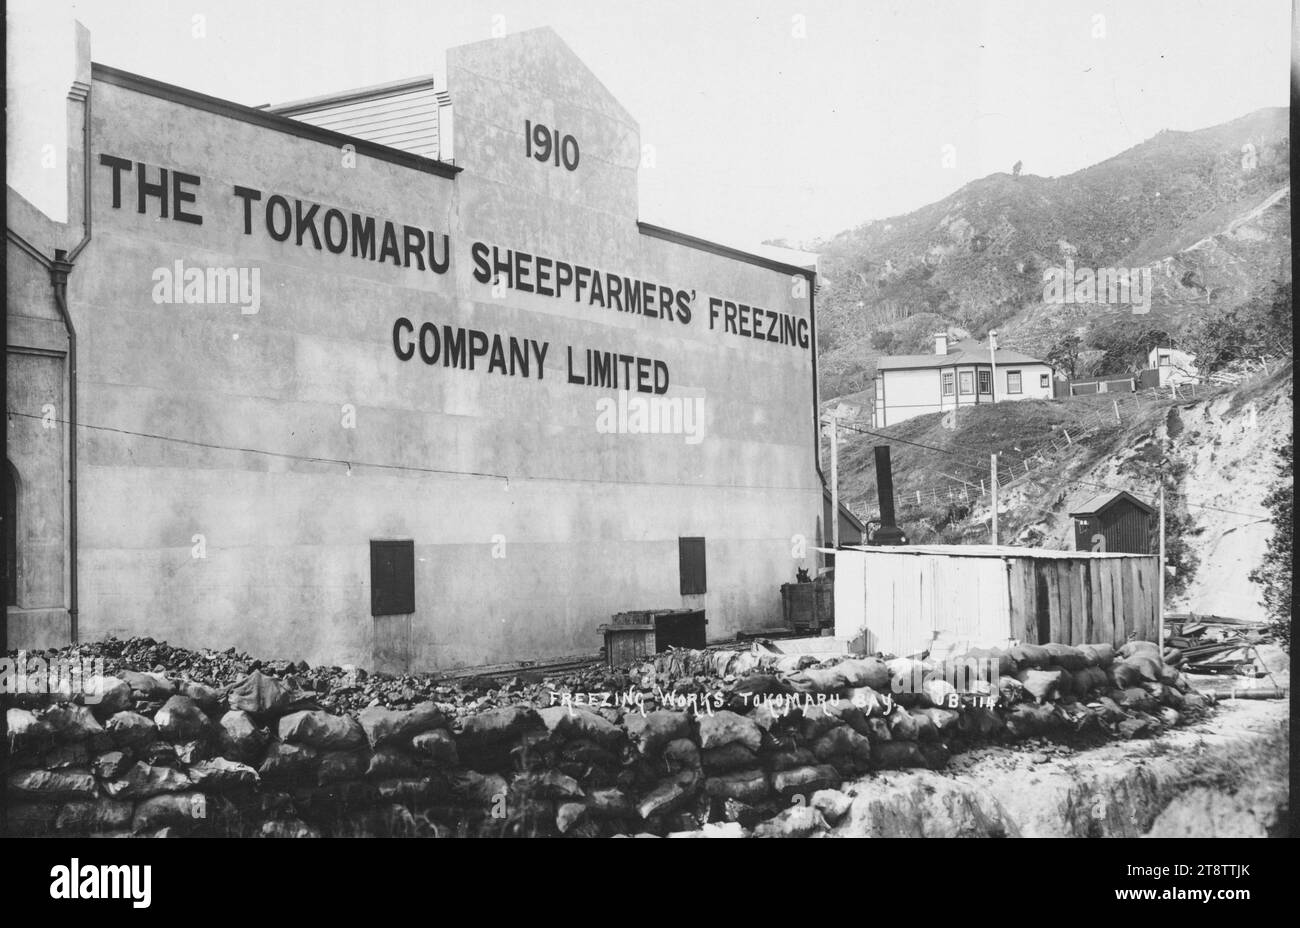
(808, 606)
(627, 643)
(642, 633)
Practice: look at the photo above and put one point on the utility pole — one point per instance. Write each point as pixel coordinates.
(993, 482)
(993, 368)
(1160, 586)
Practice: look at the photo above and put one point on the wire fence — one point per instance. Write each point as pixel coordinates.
(974, 486)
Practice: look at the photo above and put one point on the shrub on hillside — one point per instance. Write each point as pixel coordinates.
(1274, 575)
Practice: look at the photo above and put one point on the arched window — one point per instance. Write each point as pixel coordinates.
(9, 527)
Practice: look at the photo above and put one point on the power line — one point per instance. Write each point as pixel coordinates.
(1024, 459)
(410, 467)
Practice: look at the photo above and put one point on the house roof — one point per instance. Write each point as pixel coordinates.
(1104, 501)
(964, 352)
(844, 511)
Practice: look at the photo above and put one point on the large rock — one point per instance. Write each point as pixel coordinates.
(72, 722)
(609, 803)
(723, 728)
(804, 780)
(131, 729)
(902, 727)
(670, 794)
(497, 726)
(815, 721)
(222, 775)
(288, 760)
(260, 695)
(148, 686)
(831, 803)
(653, 731)
(438, 745)
(75, 754)
(27, 733)
(801, 821)
(748, 786)
(340, 766)
(114, 695)
(288, 828)
(90, 815)
(681, 754)
(843, 743)
(1043, 685)
(322, 730)
(242, 739)
(205, 697)
(53, 784)
(392, 726)
(110, 765)
(548, 784)
(579, 722)
(389, 762)
(182, 810)
(866, 671)
(142, 780)
(180, 719)
(895, 754)
(732, 756)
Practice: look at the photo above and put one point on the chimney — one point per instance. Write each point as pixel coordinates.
(888, 533)
(940, 342)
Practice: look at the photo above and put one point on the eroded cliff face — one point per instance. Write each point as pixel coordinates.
(1224, 777)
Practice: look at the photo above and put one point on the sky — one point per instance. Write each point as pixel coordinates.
(773, 119)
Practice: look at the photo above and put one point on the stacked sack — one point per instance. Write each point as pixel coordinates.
(764, 750)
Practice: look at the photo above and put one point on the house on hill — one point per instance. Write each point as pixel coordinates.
(957, 374)
(1173, 366)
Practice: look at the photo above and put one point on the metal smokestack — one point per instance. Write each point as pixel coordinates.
(888, 533)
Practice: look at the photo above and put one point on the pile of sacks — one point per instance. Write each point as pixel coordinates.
(157, 755)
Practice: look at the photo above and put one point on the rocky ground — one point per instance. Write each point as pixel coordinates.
(1223, 776)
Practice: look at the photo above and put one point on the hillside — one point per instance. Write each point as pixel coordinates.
(1207, 211)
(1215, 454)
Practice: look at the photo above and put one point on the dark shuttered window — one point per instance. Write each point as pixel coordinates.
(392, 577)
(690, 559)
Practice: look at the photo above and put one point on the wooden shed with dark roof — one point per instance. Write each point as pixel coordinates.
(1117, 522)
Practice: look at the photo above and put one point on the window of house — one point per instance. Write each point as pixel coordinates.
(947, 383)
(1162, 360)
(1044, 381)
(986, 381)
(1013, 381)
(690, 565)
(966, 382)
(392, 577)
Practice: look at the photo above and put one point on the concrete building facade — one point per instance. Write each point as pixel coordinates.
(341, 402)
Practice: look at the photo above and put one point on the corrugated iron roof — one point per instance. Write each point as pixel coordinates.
(988, 551)
(965, 352)
(1105, 500)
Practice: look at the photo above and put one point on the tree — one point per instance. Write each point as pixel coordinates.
(1261, 326)
(1124, 345)
(1274, 575)
(1064, 355)
(884, 340)
(1015, 168)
